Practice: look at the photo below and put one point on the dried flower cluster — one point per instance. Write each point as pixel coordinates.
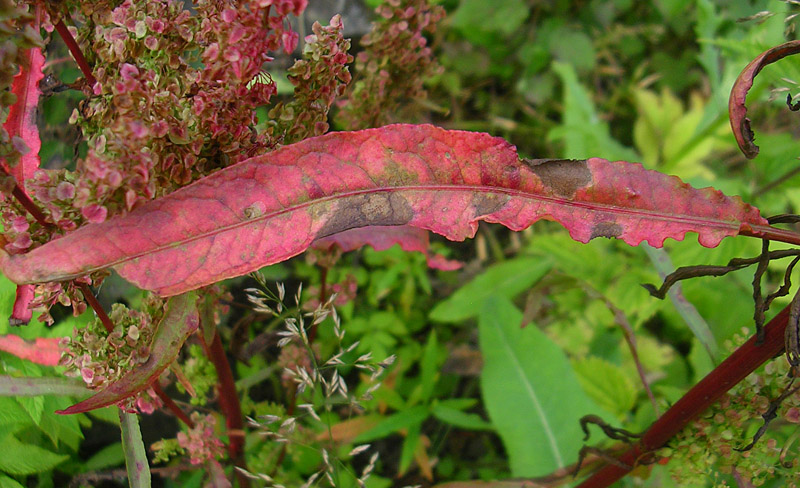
(101, 358)
(319, 79)
(395, 62)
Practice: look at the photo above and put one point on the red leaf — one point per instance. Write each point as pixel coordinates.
(21, 120)
(21, 314)
(179, 322)
(736, 104)
(269, 208)
(382, 237)
(42, 350)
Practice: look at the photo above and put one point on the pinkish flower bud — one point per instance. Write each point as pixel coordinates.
(95, 213)
(19, 224)
(65, 190)
(128, 71)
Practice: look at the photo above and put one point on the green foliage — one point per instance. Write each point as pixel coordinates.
(529, 396)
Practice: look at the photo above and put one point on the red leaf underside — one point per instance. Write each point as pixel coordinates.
(269, 208)
(21, 121)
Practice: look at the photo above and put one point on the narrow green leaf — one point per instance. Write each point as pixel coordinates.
(393, 423)
(463, 420)
(133, 447)
(530, 391)
(429, 367)
(688, 313)
(505, 279)
(410, 444)
(24, 459)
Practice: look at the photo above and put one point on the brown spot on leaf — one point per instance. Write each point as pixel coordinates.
(606, 229)
(563, 176)
(488, 203)
(364, 210)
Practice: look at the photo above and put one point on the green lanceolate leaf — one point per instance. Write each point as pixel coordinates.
(530, 392)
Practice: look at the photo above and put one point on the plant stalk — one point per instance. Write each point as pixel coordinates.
(76, 52)
(734, 369)
(231, 409)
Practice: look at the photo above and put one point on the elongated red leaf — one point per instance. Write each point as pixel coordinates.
(736, 103)
(269, 208)
(382, 237)
(21, 122)
(43, 350)
(179, 322)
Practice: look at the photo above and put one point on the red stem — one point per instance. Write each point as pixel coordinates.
(109, 326)
(172, 406)
(741, 363)
(229, 404)
(31, 207)
(76, 52)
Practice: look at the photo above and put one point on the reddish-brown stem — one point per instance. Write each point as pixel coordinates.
(98, 309)
(710, 389)
(771, 233)
(76, 52)
(109, 326)
(172, 406)
(31, 207)
(229, 404)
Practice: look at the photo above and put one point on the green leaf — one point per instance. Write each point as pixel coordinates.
(6, 482)
(393, 423)
(530, 391)
(582, 131)
(505, 279)
(410, 444)
(12, 413)
(463, 420)
(606, 384)
(135, 456)
(429, 367)
(502, 16)
(110, 456)
(24, 459)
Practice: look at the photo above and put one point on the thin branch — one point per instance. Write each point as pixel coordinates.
(231, 409)
(77, 54)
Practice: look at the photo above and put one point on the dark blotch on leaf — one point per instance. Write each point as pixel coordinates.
(607, 229)
(563, 176)
(365, 210)
(488, 203)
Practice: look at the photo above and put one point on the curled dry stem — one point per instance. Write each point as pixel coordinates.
(737, 109)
